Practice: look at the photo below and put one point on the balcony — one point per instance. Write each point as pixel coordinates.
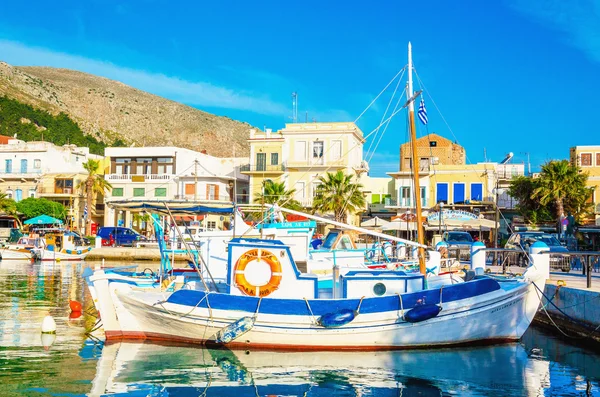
(17, 173)
(137, 178)
(55, 191)
(262, 168)
(341, 163)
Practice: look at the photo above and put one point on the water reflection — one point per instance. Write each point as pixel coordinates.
(183, 371)
(71, 364)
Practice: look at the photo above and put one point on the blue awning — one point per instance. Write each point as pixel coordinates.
(43, 220)
(175, 207)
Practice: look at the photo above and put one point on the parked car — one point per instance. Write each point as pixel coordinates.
(521, 241)
(119, 236)
(461, 240)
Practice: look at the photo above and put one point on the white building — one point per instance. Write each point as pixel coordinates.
(171, 173)
(42, 169)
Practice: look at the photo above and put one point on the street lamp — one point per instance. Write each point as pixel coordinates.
(440, 216)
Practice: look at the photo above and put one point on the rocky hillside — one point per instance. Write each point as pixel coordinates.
(109, 110)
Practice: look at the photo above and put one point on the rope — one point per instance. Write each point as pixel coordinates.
(401, 305)
(441, 289)
(539, 291)
(310, 310)
(382, 91)
(359, 304)
(257, 307)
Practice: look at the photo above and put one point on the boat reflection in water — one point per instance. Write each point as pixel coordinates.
(158, 370)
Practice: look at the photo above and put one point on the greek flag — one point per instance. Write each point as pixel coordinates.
(85, 211)
(422, 112)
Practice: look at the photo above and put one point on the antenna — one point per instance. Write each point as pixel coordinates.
(295, 107)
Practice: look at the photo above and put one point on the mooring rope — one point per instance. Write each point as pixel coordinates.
(401, 305)
(539, 291)
(310, 310)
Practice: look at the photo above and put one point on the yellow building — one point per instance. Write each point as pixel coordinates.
(444, 177)
(588, 158)
(301, 152)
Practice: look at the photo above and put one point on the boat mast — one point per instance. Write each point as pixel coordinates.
(415, 165)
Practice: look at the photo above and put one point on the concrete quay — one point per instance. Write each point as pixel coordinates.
(580, 306)
(132, 254)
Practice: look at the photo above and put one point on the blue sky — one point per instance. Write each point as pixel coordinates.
(518, 76)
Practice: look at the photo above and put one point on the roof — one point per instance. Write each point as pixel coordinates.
(166, 207)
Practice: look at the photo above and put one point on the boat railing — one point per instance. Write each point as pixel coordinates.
(586, 263)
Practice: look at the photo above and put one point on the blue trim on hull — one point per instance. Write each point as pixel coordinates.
(320, 307)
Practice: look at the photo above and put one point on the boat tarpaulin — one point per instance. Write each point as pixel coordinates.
(163, 207)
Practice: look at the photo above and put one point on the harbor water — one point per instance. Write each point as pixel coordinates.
(74, 363)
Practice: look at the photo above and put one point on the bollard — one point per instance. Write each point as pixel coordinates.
(478, 258)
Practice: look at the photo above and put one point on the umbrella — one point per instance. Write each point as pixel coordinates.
(43, 220)
(400, 225)
(374, 222)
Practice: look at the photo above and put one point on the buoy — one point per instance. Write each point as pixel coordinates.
(48, 340)
(75, 306)
(422, 312)
(234, 330)
(337, 319)
(48, 325)
(74, 315)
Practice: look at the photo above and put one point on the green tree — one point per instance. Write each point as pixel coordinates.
(521, 189)
(338, 194)
(93, 185)
(562, 184)
(8, 206)
(276, 193)
(560, 188)
(32, 207)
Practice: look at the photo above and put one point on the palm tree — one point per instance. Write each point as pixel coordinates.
(561, 182)
(338, 193)
(276, 193)
(93, 185)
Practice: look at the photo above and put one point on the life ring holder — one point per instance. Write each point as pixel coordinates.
(242, 282)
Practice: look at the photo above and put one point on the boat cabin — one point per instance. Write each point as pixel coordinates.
(266, 268)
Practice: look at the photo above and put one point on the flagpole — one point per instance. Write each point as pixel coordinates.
(415, 166)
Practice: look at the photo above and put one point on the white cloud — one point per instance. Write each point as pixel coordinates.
(578, 20)
(190, 92)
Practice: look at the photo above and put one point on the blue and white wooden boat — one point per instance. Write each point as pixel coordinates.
(366, 310)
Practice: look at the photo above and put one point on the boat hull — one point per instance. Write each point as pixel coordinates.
(501, 316)
(17, 254)
(47, 255)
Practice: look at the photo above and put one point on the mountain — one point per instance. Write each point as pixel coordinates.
(110, 111)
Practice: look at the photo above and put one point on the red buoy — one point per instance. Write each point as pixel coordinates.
(75, 306)
(74, 315)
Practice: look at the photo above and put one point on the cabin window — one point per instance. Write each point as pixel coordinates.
(379, 289)
(211, 224)
(330, 239)
(345, 243)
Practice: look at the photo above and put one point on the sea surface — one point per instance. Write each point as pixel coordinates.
(75, 363)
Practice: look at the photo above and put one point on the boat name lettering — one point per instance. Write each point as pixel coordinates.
(503, 307)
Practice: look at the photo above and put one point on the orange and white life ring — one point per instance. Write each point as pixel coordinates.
(240, 273)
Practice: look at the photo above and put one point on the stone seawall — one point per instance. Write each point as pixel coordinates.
(581, 308)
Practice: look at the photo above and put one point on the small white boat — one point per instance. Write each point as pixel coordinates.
(24, 249)
(62, 245)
